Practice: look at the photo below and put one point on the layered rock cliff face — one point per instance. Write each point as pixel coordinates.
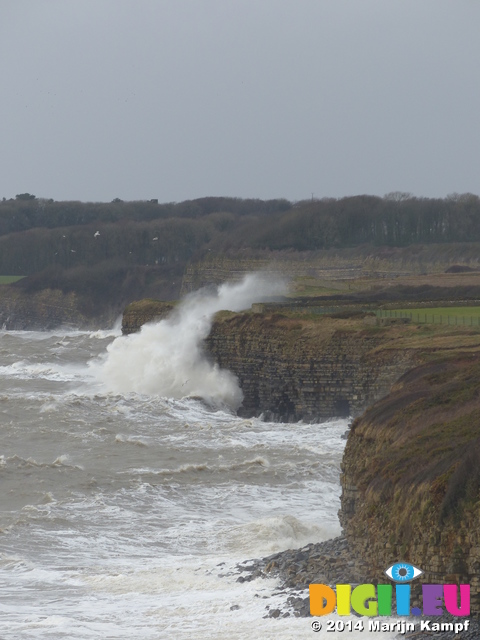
(139, 313)
(411, 475)
(292, 369)
(411, 469)
(48, 309)
(42, 310)
(298, 368)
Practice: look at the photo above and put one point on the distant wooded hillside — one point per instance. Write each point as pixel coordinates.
(95, 247)
(37, 233)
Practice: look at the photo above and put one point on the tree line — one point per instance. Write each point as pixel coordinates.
(68, 243)
(394, 220)
(389, 221)
(26, 211)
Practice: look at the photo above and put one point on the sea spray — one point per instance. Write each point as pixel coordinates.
(167, 358)
(121, 549)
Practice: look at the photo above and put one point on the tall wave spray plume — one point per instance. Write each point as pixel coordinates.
(167, 358)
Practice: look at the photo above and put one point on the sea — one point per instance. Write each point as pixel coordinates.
(130, 488)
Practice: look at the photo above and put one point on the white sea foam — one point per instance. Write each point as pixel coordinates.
(61, 461)
(166, 358)
(103, 537)
(24, 370)
(258, 462)
(272, 534)
(135, 440)
(102, 334)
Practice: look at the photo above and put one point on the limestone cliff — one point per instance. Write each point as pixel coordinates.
(42, 310)
(299, 368)
(411, 475)
(293, 367)
(138, 313)
(411, 469)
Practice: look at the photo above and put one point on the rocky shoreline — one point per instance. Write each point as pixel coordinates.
(330, 562)
(410, 473)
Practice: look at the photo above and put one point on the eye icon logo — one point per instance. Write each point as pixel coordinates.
(402, 572)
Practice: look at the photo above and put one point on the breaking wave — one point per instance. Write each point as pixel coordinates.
(166, 358)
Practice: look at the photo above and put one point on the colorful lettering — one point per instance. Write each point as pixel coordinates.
(432, 599)
(343, 599)
(360, 595)
(450, 595)
(368, 601)
(402, 592)
(384, 592)
(322, 599)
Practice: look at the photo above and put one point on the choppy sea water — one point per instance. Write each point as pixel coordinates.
(120, 511)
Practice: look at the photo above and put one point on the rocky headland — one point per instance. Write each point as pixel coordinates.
(42, 310)
(411, 468)
(411, 475)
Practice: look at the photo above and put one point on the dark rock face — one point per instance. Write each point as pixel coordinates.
(289, 372)
(42, 310)
(295, 369)
(411, 476)
(143, 311)
(411, 469)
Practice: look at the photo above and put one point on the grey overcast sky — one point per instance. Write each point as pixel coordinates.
(178, 99)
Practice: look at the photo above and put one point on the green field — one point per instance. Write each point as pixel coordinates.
(10, 279)
(464, 316)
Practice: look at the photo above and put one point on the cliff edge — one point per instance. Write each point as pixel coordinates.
(411, 475)
(411, 468)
